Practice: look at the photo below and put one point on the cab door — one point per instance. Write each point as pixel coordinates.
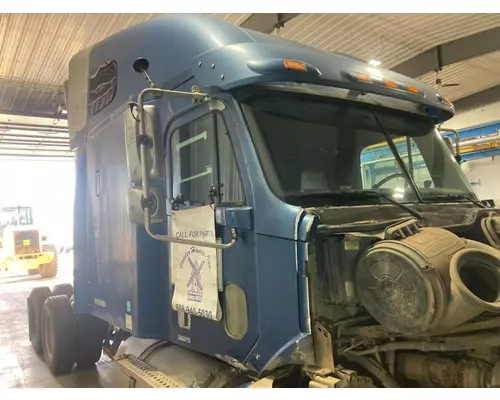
(205, 168)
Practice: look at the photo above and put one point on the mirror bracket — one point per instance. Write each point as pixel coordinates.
(198, 98)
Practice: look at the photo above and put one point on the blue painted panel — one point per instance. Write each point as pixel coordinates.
(210, 337)
(81, 275)
(114, 286)
(278, 298)
(128, 270)
(479, 130)
(234, 69)
(228, 57)
(307, 224)
(112, 239)
(238, 266)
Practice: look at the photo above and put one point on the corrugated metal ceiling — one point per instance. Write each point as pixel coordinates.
(389, 38)
(473, 75)
(35, 48)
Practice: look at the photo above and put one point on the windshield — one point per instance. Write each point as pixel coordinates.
(313, 149)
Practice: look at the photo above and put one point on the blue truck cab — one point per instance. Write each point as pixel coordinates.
(254, 212)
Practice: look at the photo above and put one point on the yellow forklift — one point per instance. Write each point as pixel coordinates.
(22, 246)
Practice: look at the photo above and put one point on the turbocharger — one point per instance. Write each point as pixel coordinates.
(428, 281)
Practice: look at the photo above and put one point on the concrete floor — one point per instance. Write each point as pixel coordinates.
(20, 366)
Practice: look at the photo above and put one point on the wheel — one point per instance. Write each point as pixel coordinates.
(49, 270)
(91, 332)
(33, 271)
(65, 289)
(59, 334)
(36, 299)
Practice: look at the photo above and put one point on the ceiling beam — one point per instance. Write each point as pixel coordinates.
(266, 22)
(452, 52)
(479, 99)
(27, 155)
(25, 123)
(30, 121)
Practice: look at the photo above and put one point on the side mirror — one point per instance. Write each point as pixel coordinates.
(136, 210)
(44, 237)
(154, 152)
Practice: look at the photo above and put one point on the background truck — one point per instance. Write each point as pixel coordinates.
(230, 231)
(22, 246)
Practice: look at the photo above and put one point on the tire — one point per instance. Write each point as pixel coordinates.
(65, 289)
(59, 335)
(91, 332)
(49, 270)
(34, 271)
(35, 300)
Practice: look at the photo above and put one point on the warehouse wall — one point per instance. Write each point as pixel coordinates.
(482, 173)
(484, 176)
(478, 116)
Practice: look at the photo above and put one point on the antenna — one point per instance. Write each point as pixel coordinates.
(141, 65)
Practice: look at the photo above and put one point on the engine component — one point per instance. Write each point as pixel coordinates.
(462, 343)
(491, 229)
(375, 368)
(435, 371)
(427, 281)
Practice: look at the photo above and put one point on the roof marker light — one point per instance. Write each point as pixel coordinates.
(294, 65)
(363, 77)
(391, 84)
(413, 89)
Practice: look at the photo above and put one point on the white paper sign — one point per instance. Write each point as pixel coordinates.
(194, 268)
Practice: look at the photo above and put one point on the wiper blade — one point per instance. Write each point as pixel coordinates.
(455, 197)
(365, 193)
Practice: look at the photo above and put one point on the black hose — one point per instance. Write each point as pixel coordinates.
(377, 370)
(461, 344)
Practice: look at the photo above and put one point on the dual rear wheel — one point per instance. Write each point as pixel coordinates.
(64, 339)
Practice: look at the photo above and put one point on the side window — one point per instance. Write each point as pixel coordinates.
(193, 158)
(195, 147)
(102, 86)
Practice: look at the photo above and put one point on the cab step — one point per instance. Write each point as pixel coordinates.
(142, 375)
